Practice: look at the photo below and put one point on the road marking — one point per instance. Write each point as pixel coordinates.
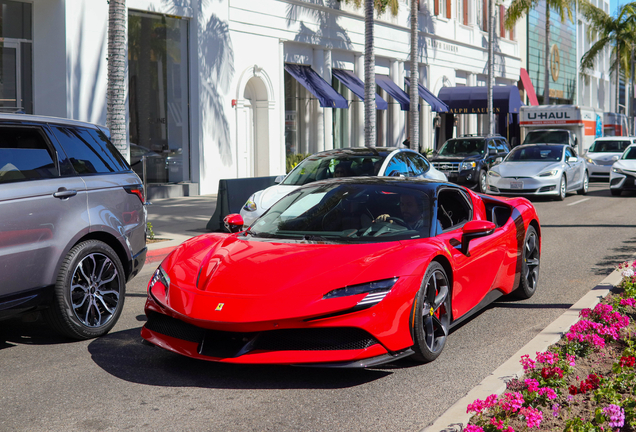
(578, 202)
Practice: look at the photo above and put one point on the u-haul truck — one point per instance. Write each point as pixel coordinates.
(584, 124)
(614, 124)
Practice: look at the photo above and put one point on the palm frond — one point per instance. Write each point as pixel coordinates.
(587, 61)
(517, 9)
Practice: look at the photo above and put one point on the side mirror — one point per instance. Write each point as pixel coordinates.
(279, 179)
(233, 222)
(573, 159)
(473, 230)
(499, 160)
(615, 158)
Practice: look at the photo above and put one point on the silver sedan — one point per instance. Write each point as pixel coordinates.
(539, 169)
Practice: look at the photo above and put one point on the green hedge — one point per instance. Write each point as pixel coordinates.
(295, 159)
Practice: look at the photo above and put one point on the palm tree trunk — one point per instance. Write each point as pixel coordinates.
(618, 76)
(546, 88)
(116, 87)
(414, 136)
(369, 77)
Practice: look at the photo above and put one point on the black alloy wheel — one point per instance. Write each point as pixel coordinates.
(431, 314)
(530, 261)
(89, 293)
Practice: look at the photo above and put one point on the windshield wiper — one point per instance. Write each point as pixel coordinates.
(313, 237)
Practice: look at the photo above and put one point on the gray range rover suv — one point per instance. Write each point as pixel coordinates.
(72, 224)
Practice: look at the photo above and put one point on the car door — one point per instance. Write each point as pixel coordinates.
(43, 206)
(473, 273)
(572, 169)
(111, 208)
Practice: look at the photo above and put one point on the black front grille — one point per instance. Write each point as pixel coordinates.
(517, 191)
(174, 328)
(224, 344)
(316, 339)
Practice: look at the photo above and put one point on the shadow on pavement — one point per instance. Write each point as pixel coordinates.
(17, 331)
(122, 355)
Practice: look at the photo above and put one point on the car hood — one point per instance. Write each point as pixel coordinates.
(626, 164)
(525, 169)
(267, 197)
(263, 280)
(603, 158)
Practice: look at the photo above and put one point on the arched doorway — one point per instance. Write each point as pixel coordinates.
(254, 153)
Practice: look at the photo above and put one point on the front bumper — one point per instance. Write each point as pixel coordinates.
(465, 177)
(520, 186)
(599, 172)
(622, 181)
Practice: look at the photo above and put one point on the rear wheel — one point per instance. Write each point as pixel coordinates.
(586, 184)
(89, 293)
(431, 314)
(530, 260)
(563, 188)
(483, 182)
(616, 192)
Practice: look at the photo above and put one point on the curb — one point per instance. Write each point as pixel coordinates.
(455, 418)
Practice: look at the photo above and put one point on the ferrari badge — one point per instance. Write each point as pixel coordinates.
(220, 306)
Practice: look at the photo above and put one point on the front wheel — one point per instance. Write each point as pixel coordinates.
(431, 314)
(89, 293)
(483, 182)
(563, 188)
(530, 260)
(586, 184)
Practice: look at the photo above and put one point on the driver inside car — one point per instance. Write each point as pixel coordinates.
(413, 214)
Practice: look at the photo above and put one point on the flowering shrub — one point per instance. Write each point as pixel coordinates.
(551, 396)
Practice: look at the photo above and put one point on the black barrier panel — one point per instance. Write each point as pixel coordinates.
(232, 195)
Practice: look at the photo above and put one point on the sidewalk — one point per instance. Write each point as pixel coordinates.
(176, 220)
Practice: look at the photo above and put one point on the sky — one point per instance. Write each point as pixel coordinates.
(615, 4)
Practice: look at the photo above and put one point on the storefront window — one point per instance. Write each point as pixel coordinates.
(16, 71)
(158, 87)
(340, 117)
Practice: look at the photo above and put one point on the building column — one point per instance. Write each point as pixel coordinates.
(281, 108)
(393, 119)
(328, 112)
(471, 80)
(318, 64)
(358, 123)
(426, 116)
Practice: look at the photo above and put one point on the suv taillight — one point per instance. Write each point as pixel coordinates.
(136, 190)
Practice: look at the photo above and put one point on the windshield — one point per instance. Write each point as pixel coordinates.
(630, 153)
(463, 147)
(547, 137)
(536, 153)
(323, 167)
(604, 146)
(348, 213)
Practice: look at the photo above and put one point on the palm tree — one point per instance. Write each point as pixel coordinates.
(116, 87)
(563, 8)
(369, 62)
(414, 132)
(618, 32)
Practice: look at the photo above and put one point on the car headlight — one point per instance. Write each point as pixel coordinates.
(467, 166)
(493, 174)
(590, 161)
(375, 291)
(159, 285)
(549, 173)
(617, 170)
(250, 205)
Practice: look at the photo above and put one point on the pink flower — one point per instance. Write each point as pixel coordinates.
(533, 385)
(511, 401)
(628, 302)
(547, 357)
(499, 424)
(527, 362)
(571, 359)
(533, 416)
(549, 392)
(473, 428)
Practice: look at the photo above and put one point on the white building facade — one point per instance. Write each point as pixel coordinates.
(208, 92)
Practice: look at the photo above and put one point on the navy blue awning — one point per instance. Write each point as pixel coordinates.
(327, 96)
(396, 92)
(474, 100)
(356, 85)
(436, 104)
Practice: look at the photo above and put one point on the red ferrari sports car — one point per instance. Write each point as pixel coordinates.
(345, 273)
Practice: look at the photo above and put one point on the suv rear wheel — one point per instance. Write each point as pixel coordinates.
(483, 181)
(89, 293)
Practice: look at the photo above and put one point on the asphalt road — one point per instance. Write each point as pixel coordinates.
(116, 383)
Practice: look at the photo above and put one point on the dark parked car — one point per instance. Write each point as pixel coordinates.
(72, 225)
(466, 160)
